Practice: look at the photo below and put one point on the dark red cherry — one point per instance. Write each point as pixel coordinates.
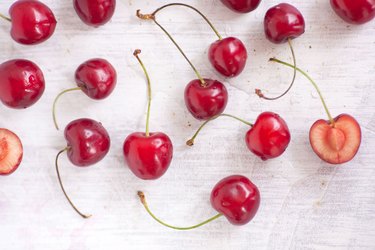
(283, 22)
(97, 78)
(148, 157)
(237, 198)
(21, 83)
(32, 22)
(269, 137)
(95, 12)
(354, 11)
(241, 6)
(205, 102)
(228, 56)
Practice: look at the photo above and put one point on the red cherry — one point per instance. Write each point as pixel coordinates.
(228, 56)
(354, 11)
(237, 198)
(241, 6)
(269, 137)
(11, 152)
(283, 22)
(205, 102)
(95, 12)
(32, 22)
(21, 83)
(336, 144)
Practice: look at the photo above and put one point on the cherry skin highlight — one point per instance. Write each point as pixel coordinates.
(241, 6)
(95, 12)
(11, 152)
(354, 11)
(21, 83)
(269, 137)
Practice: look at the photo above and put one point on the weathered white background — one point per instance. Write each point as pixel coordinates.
(35, 215)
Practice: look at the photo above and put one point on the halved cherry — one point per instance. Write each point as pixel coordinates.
(11, 152)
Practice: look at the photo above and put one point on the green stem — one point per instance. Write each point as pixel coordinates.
(313, 83)
(143, 200)
(5, 17)
(55, 102)
(149, 93)
(191, 141)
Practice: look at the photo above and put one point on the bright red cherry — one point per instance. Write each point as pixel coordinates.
(228, 56)
(95, 12)
(206, 101)
(354, 11)
(241, 6)
(11, 152)
(283, 22)
(21, 83)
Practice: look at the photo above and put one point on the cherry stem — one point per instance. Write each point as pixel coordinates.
(151, 17)
(312, 82)
(142, 197)
(55, 102)
(62, 187)
(5, 17)
(259, 92)
(191, 141)
(149, 92)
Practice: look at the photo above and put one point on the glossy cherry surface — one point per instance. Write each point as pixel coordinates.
(283, 22)
(269, 137)
(148, 157)
(237, 198)
(241, 6)
(32, 22)
(205, 102)
(95, 12)
(97, 78)
(228, 56)
(21, 83)
(88, 142)
(354, 11)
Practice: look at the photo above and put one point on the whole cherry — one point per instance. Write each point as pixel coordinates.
(96, 77)
(241, 6)
(32, 22)
(235, 197)
(354, 12)
(21, 83)
(95, 12)
(11, 152)
(88, 143)
(148, 155)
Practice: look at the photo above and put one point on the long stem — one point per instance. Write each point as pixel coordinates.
(259, 92)
(55, 102)
(5, 17)
(191, 141)
(62, 187)
(148, 17)
(149, 91)
(313, 83)
(143, 200)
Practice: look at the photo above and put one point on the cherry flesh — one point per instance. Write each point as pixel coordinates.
(21, 83)
(354, 11)
(11, 152)
(205, 102)
(95, 12)
(32, 22)
(241, 6)
(283, 22)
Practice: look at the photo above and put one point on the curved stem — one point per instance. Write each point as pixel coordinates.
(259, 92)
(55, 102)
(62, 187)
(313, 83)
(143, 200)
(149, 93)
(191, 141)
(5, 17)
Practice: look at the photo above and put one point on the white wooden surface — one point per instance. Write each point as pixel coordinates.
(35, 215)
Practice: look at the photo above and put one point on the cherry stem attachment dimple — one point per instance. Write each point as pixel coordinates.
(149, 91)
(5, 17)
(259, 92)
(190, 142)
(313, 83)
(144, 203)
(62, 187)
(55, 102)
